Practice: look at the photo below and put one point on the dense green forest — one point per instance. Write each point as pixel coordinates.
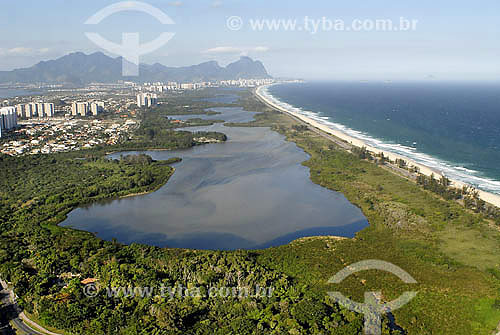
(157, 131)
(414, 228)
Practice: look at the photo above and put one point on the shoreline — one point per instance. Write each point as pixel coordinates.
(488, 197)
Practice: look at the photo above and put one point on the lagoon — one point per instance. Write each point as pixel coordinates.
(250, 192)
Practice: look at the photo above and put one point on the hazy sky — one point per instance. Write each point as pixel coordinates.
(453, 39)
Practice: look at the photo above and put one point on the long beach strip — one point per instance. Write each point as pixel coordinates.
(486, 196)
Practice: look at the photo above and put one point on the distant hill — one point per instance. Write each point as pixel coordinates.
(78, 68)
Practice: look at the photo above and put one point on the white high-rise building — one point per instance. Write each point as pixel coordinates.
(187, 86)
(40, 109)
(146, 99)
(49, 109)
(74, 109)
(96, 107)
(29, 110)
(8, 119)
(34, 109)
(79, 108)
(83, 108)
(20, 110)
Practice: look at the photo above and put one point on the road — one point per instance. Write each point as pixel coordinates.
(19, 324)
(7, 300)
(5, 327)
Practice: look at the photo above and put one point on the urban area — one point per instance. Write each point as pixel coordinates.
(60, 119)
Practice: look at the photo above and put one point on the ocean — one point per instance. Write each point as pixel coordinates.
(451, 127)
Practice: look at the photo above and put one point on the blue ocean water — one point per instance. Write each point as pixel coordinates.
(452, 127)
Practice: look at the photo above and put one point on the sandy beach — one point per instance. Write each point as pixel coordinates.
(486, 196)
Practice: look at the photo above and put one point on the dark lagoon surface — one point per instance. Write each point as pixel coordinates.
(10, 93)
(249, 192)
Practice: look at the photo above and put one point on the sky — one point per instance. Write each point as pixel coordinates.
(451, 40)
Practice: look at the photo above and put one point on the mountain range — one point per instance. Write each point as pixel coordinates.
(79, 68)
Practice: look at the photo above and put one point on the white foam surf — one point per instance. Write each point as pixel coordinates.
(453, 170)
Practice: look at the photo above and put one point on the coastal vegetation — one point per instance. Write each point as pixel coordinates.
(424, 226)
(452, 251)
(467, 195)
(190, 103)
(158, 132)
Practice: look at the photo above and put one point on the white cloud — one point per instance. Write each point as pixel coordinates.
(222, 50)
(216, 4)
(176, 3)
(261, 49)
(20, 51)
(235, 50)
(23, 51)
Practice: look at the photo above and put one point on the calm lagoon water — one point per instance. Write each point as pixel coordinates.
(10, 93)
(250, 192)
